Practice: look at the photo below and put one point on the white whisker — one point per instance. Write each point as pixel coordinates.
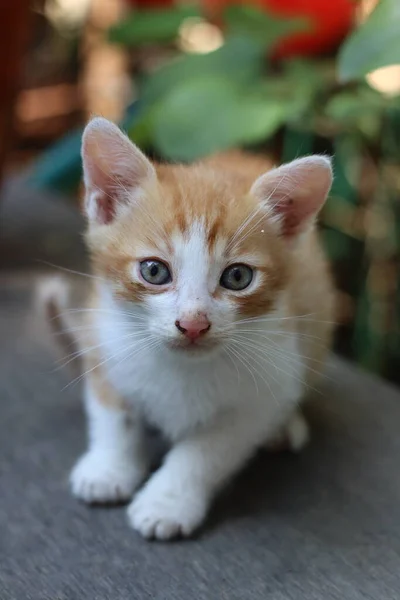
(96, 328)
(246, 366)
(115, 312)
(84, 351)
(228, 353)
(280, 333)
(98, 365)
(271, 352)
(263, 366)
(276, 345)
(305, 317)
(71, 271)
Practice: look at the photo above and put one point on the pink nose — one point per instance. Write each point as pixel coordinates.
(193, 327)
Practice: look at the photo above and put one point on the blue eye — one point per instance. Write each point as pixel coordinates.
(155, 272)
(236, 277)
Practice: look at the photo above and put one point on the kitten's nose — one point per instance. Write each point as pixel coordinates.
(193, 327)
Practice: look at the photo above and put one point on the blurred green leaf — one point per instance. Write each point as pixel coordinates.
(299, 84)
(308, 72)
(209, 114)
(193, 119)
(141, 129)
(253, 107)
(373, 45)
(263, 25)
(360, 109)
(241, 59)
(351, 109)
(256, 118)
(152, 26)
(343, 106)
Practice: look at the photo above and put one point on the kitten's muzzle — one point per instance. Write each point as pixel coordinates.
(194, 327)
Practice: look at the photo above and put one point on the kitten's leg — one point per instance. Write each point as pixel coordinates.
(293, 436)
(176, 498)
(115, 463)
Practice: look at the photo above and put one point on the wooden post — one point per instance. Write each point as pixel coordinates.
(14, 19)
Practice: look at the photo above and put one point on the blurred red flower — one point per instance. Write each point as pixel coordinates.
(330, 21)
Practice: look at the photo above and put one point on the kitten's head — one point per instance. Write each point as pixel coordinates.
(195, 249)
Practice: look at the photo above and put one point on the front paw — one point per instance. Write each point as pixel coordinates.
(105, 478)
(162, 512)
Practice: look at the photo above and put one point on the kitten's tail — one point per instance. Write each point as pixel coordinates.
(52, 300)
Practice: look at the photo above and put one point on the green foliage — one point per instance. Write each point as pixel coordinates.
(183, 102)
(179, 101)
(150, 27)
(241, 59)
(375, 44)
(359, 109)
(199, 104)
(261, 25)
(203, 116)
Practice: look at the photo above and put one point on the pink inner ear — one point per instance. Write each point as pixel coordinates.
(105, 209)
(291, 218)
(294, 214)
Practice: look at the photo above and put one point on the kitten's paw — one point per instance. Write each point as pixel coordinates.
(161, 512)
(294, 436)
(105, 478)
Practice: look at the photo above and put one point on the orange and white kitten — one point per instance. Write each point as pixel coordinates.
(210, 292)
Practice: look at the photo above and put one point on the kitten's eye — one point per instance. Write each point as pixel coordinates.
(155, 272)
(236, 277)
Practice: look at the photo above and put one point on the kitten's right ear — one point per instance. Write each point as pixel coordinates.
(113, 168)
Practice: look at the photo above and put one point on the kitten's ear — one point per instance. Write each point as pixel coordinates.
(113, 169)
(295, 192)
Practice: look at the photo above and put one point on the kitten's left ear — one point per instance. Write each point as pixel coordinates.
(295, 192)
(113, 169)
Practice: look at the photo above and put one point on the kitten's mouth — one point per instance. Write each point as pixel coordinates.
(193, 346)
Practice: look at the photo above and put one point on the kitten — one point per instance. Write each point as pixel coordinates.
(209, 315)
